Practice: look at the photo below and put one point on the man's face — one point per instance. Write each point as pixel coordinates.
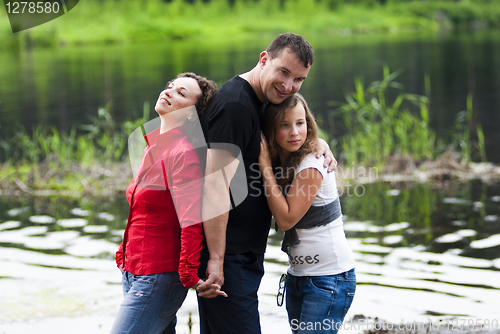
(281, 76)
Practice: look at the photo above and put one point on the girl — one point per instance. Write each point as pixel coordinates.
(321, 282)
(160, 252)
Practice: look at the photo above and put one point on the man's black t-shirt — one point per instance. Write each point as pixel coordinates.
(233, 116)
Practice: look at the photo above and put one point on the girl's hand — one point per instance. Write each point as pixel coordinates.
(264, 157)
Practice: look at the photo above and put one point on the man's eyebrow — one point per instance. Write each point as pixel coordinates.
(284, 68)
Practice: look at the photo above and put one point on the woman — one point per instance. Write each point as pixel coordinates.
(160, 252)
(321, 281)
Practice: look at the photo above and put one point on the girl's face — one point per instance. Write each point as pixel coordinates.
(292, 130)
(181, 93)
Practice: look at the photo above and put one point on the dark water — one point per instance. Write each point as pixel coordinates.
(409, 214)
(439, 248)
(390, 215)
(438, 220)
(106, 216)
(64, 86)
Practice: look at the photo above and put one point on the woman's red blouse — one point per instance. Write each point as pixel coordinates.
(163, 197)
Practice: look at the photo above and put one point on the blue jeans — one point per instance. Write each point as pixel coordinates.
(150, 304)
(318, 304)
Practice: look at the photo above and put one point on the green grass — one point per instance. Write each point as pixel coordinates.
(92, 158)
(100, 141)
(128, 21)
(470, 150)
(378, 128)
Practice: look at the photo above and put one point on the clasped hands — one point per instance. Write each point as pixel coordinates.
(211, 287)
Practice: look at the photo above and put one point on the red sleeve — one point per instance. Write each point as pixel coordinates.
(191, 245)
(186, 189)
(119, 256)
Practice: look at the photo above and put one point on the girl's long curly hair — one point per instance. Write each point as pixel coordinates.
(273, 116)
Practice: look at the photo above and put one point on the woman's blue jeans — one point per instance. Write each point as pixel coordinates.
(150, 304)
(318, 304)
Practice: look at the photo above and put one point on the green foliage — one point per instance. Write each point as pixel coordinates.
(480, 142)
(456, 13)
(322, 133)
(378, 128)
(156, 20)
(462, 140)
(101, 140)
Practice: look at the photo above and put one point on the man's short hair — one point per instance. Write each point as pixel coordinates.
(296, 43)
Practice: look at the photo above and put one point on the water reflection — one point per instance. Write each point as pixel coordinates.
(420, 250)
(464, 219)
(64, 225)
(69, 84)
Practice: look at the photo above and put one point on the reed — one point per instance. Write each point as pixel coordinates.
(471, 150)
(102, 140)
(378, 128)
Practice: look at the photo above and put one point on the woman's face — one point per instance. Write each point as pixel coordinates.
(181, 93)
(292, 130)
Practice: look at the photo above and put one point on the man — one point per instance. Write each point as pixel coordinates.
(236, 239)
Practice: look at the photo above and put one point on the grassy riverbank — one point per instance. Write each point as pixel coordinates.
(111, 178)
(126, 21)
(386, 140)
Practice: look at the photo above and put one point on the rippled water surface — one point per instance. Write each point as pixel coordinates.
(421, 253)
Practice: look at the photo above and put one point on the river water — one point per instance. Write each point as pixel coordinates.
(65, 86)
(423, 254)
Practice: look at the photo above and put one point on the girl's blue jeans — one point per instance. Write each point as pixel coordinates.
(318, 304)
(150, 304)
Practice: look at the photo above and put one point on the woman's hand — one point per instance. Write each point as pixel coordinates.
(207, 290)
(264, 157)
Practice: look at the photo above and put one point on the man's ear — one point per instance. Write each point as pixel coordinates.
(264, 58)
